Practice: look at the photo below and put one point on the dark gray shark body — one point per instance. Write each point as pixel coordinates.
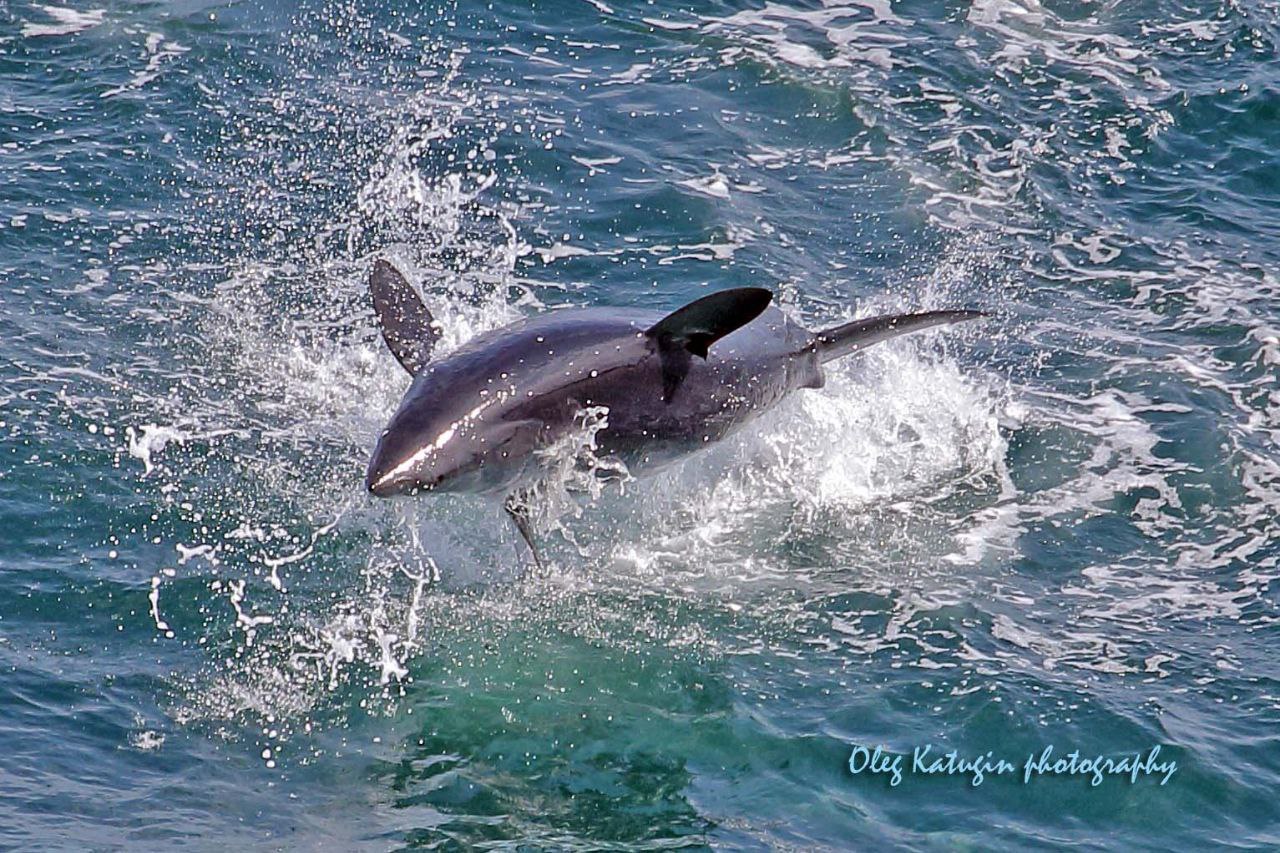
(473, 420)
(510, 391)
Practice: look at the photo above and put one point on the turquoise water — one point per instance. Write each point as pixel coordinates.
(1056, 529)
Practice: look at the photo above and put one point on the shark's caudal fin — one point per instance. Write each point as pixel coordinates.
(406, 324)
(692, 329)
(860, 334)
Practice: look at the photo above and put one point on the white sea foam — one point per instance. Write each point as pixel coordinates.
(151, 439)
(158, 52)
(65, 21)
(714, 185)
(147, 741)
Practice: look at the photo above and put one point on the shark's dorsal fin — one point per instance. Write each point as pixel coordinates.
(406, 324)
(695, 327)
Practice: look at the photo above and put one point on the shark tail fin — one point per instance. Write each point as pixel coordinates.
(860, 334)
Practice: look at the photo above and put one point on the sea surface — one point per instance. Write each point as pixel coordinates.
(1055, 528)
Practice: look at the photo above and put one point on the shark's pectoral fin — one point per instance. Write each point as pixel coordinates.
(694, 328)
(406, 324)
(517, 506)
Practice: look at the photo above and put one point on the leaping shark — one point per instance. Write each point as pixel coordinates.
(472, 420)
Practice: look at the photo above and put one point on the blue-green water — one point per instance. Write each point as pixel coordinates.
(1055, 529)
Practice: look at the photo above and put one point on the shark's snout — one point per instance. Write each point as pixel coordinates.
(389, 484)
(417, 455)
(391, 469)
(385, 486)
(386, 478)
(383, 483)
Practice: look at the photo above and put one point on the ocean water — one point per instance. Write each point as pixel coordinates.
(1056, 528)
